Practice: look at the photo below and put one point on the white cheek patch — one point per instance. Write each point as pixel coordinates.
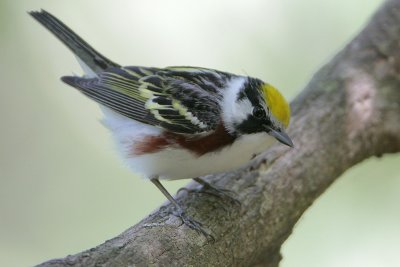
(241, 110)
(233, 111)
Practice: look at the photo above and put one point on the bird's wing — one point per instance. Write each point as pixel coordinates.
(180, 99)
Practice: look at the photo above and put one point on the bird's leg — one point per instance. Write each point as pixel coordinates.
(220, 193)
(187, 220)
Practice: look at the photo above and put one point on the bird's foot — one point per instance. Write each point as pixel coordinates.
(193, 224)
(181, 214)
(220, 193)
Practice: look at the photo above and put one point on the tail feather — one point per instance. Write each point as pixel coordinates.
(88, 55)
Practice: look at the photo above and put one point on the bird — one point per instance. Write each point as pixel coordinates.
(177, 122)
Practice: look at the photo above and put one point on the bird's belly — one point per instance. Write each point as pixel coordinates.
(179, 163)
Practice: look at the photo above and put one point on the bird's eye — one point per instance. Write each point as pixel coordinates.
(259, 112)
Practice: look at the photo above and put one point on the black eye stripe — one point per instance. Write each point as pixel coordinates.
(241, 95)
(250, 90)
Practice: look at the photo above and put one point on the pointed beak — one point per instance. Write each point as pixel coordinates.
(282, 137)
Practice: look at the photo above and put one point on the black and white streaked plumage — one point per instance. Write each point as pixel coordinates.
(177, 122)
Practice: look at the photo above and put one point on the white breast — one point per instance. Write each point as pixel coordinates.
(179, 163)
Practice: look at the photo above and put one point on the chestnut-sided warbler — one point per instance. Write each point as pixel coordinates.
(177, 122)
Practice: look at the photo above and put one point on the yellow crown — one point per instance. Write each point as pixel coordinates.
(277, 103)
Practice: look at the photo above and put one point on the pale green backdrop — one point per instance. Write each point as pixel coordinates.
(62, 187)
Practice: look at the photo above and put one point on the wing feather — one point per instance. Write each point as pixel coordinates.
(180, 99)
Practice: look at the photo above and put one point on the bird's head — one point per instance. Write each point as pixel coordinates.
(251, 106)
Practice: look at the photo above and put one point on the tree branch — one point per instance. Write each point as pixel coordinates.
(348, 112)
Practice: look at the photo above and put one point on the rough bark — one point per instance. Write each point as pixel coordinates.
(348, 112)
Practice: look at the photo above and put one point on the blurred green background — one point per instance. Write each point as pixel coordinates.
(62, 187)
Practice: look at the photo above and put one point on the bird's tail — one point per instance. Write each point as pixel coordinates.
(92, 59)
